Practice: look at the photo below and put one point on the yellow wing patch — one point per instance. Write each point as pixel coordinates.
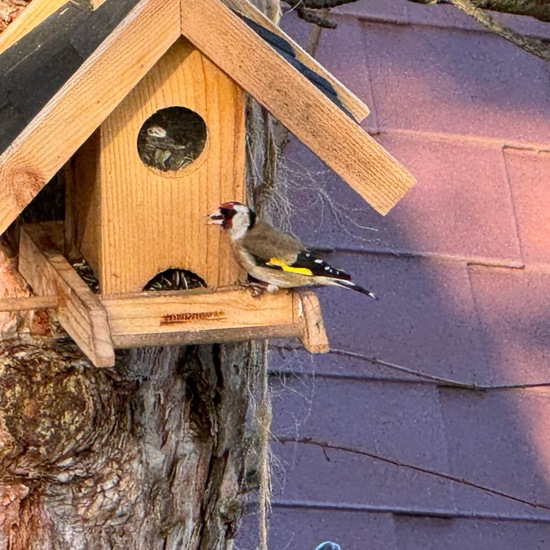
(288, 268)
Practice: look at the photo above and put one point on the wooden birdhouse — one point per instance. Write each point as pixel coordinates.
(169, 154)
(143, 102)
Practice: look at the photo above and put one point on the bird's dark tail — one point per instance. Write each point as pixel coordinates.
(349, 284)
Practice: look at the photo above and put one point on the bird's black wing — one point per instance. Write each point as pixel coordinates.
(308, 264)
(277, 250)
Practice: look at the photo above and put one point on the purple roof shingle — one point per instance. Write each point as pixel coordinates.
(404, 436)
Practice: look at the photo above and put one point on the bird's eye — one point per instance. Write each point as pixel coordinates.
(228, 212)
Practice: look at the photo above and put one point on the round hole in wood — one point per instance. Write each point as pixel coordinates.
(175, 279)
(171, 139)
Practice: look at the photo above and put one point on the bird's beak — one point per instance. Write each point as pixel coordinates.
(216, 218)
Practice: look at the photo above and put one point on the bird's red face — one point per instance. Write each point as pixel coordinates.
(225, 213)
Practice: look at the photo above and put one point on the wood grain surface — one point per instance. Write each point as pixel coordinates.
(79, 310)
(132, 222)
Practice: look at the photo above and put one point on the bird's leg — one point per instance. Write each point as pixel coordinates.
(272, 288)
(257, 288)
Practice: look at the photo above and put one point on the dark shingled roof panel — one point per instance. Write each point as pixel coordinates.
(38, 65)
(286, 51)
(59, 22)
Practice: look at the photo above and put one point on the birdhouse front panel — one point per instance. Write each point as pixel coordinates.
(144, 182)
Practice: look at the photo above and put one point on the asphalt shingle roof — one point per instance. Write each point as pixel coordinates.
(462, 269)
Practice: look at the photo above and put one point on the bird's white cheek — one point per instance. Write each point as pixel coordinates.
(238, 228)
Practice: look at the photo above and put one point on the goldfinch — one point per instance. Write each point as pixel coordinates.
(274, 257)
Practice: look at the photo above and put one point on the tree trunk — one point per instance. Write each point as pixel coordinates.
(146, 455)
(157, 452)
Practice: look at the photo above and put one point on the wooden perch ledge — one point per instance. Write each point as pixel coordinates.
(100, 324)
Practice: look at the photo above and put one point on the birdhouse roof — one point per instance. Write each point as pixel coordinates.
(65, 67)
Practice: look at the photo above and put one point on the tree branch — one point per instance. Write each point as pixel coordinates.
(315, 11)
(311, 11)
(530, 44)
(539, 9)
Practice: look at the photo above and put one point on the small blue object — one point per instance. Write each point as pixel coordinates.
(328, 546)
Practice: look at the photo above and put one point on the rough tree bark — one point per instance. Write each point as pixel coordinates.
(539, 9)
(157, 452)
(9, 10)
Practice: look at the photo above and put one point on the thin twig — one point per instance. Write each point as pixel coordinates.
(430, 378)
(324, 445)
(439, 379)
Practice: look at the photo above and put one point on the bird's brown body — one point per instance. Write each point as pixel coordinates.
(258, 243)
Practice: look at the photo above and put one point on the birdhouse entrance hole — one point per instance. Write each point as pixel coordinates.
(172, 139)
(175, 279)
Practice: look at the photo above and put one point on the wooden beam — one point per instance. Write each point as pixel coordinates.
(202, 316)
(26, 303)
(348, 100)
(301, 106)
(84, 102)
(79, 310)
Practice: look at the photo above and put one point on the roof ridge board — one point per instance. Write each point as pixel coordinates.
(34, 80)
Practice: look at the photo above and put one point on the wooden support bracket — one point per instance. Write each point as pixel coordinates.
(79, 309)
(99, 324)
